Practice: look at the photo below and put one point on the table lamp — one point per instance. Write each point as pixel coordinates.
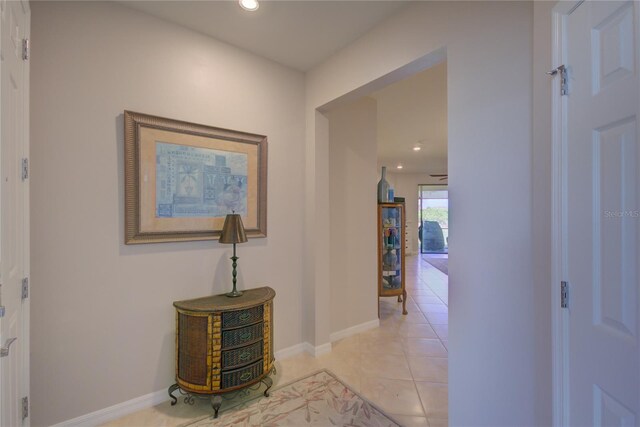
(233, 232)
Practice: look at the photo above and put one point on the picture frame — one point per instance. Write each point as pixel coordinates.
(182, 179)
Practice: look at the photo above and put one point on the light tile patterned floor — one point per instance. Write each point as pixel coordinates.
(402, 366)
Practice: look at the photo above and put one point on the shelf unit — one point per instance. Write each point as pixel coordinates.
(391, 252)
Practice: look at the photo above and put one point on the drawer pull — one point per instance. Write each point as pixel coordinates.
(245, 356)
(244, 316)
(245, 336)
(246, 376)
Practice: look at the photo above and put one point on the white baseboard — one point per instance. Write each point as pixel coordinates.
(117, 411)
(302, 348)
(290, 351)
(318, 350)
(354, 330)
(325, 348)
(125, 408)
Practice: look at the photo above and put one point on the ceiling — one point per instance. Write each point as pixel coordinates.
(299, 34)
(414, 111)
(302, 34)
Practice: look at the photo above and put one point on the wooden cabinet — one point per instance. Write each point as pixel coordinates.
(391, 252)
(224, 344)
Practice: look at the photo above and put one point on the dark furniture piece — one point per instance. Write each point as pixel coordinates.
(432, 237)
(223, 344)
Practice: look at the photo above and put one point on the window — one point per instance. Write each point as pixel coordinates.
(433, 229)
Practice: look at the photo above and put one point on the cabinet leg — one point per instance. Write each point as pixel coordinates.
(216, 403)
(399, 298)
(404, 302)
(172, 389)
(268, 382)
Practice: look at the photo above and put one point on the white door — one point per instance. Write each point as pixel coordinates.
(14, 220)
(602, 215)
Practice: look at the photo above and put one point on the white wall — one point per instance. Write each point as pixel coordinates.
(541, 226)
(406, 185)
(102, 316)
(493, 347)
(353, 214)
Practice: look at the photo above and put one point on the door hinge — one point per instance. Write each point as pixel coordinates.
(4, 351)
(564, 81)
(25, 408)
(25, 288)
(25, 169)
(564, 294)
(26, 49)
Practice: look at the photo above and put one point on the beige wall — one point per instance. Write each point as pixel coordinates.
(353, 214)
(492, 321)
(414, 110)
(102, 320)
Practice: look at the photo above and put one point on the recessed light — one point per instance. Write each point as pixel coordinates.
(399, 166)
(249, 5)
(416, 148)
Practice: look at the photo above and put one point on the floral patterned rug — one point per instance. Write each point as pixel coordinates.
(319, 399)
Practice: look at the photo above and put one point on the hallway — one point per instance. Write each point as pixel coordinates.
(402, 366)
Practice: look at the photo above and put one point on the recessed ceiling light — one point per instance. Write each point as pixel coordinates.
(399, 166)
(417, 148)
(249, 5)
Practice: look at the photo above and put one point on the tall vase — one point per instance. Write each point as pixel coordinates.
(383, 187)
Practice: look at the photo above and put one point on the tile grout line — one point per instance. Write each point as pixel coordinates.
(439, 339)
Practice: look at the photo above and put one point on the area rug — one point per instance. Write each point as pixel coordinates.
(319, 399)
(441, 264)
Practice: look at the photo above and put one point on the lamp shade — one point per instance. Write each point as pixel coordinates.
(233, 230)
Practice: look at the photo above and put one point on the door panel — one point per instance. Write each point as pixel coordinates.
(602, 214)
(609, 412)
(615, 163)
(613, 44)
(14, 27)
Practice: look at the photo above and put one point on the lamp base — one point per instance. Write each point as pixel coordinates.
(233, 294)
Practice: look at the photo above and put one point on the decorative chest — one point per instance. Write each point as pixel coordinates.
(224, 344)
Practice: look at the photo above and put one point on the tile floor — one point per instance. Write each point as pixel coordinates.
(402, 366)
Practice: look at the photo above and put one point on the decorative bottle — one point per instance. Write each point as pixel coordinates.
(389, 260)
(383, 187)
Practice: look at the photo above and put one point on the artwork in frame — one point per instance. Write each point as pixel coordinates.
(182, 179)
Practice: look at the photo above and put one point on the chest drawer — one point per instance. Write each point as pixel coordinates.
(233, 319)
(241, 376)
(242, 356)
(223, 344)
(240, 336)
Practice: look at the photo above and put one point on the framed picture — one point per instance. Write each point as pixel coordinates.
(182, 179)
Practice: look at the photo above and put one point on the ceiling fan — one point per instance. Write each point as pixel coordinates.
(443, 177)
